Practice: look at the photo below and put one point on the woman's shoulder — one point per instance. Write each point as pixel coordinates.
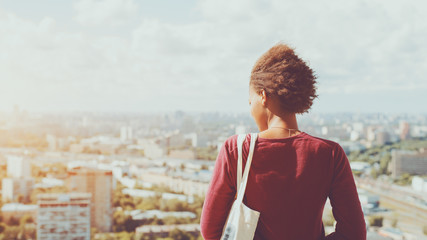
(231, 142)
(304, 138)
(321, 141)
(326, 144)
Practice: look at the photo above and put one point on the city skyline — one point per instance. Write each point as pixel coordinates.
(141, 56)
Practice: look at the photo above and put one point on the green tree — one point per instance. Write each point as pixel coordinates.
(394, 222)
(2, 227)
(11, 232)
(374, 173)
(146, 237)
(93, 231)
(119, 221)
(384, 162)
(13, 221)
(404, 179)
(180, 235)
(123, 222)
(174, 205)
(149, 203)
(376, 221)
(26, 219)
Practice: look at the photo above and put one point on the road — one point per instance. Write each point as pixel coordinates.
(411, 215)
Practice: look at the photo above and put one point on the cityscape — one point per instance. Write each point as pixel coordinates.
(86, 175)
(113, 112)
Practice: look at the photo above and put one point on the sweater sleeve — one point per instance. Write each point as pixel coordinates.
(219, 197)
(346, 206)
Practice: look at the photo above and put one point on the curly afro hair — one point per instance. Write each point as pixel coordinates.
(280, 72)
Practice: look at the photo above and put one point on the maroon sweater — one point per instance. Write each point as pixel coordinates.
(289, 182)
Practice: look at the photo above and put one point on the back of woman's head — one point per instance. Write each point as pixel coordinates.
(281, 73)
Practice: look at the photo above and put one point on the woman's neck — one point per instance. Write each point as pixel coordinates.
(287, 121)
(280, 126)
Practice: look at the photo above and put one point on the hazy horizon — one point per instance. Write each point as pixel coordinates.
(126, 112)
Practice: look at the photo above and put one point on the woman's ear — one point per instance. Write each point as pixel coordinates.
(263, 98)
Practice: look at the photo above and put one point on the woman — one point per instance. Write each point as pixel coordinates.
(292, 173)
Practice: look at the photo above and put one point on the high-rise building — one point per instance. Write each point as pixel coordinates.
(100, 184)
(382, 137)
(63, 216)
(370, 134)
(13, 188)
(411, 162)
(125, 133)
(51, 142)
(404, 130)
(18, 167)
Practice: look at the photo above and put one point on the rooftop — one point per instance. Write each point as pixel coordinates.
(18, 207)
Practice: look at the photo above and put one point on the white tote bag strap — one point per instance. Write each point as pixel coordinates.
(242, 189)
(240, 140)
(242, 221)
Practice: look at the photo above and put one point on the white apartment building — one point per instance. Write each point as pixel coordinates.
(18, 167)
(412, 162)
(63, 216)
(100, 184)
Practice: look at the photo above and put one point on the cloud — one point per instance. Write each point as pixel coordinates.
(42, 66)
(356, 48)
(104, 12)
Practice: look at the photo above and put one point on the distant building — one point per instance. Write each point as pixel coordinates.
(419, 131)
(153, 150)
(78, 148)
(63, 216)
(354, 136)
(163, 230)
(12, 188)
(411, 162)
(187, 183)
(55, 143)
(150, 214)
(358, 126)
(51, 141)
(175, 139)
(49, 183)
(370, 134)
(16, 211)
(404, 130)
(18, 167)
(382, 137)
(419, 184)
(125, 133)
(349, 146)
(192, 138)
(359, 166)
(147, 193)
(100, 184)
(182, 154)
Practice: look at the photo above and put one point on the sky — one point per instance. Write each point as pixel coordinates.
(196, 55)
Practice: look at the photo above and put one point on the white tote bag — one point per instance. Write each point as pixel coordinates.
(242, 221)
